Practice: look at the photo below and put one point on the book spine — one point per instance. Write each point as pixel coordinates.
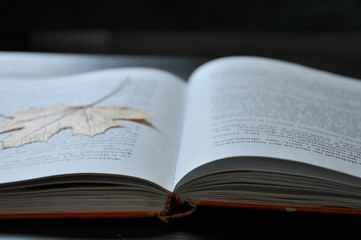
(175, 207)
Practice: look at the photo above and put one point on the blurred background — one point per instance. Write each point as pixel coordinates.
(321, 33)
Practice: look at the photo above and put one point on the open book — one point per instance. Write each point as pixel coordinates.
(244, 132)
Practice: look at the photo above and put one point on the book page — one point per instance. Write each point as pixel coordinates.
(137, 150)
(30, 65)
(247, 106)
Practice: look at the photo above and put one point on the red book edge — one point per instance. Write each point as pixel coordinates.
(274, 207)
(78, 215)
(175, 207)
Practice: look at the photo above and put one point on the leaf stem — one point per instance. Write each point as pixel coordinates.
(117, 89)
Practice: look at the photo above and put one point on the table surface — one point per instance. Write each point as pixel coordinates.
(206, 223)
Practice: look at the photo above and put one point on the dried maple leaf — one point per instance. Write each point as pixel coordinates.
(38, 125)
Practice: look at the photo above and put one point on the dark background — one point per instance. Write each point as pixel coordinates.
(319, 33)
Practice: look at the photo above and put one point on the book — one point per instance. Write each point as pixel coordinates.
(244, 132)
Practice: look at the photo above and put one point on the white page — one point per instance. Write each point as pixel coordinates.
(30, 65)
(44, 65)
(244, 106)
(136, 150)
